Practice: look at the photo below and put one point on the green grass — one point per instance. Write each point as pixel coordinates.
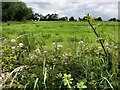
(58, 31)
(30, 60)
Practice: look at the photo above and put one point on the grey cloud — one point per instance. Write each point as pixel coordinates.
(75, 8)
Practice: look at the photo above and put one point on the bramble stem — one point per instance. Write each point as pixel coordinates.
(98, 36)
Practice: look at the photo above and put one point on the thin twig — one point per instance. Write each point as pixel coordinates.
(98, 37)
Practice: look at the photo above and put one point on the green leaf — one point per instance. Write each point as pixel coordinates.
(84, 80)
(84, 86)
(81, 84)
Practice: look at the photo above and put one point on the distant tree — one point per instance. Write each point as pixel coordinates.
(118, 20)
(66, 18)
(15, 11)
(98, 19)
(42, 18)
(80, 19)
(36, 17)
(50, 17)
(47, 17)
(84, 18)
(55, 16)
(63, 18)
(71, 18)
(112, 19)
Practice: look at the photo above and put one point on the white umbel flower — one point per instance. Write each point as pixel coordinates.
(81, 43)
(106, 44)
(20, 45)
(59, 46)
(13, 40)
(37, 51)
(54, 43)
(13, 47)
(45, 51)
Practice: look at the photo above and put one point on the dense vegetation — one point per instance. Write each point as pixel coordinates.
(38, 55)
(57, 53)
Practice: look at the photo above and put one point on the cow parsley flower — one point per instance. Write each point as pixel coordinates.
(59, 46)
(45, 51)
(13, 47)
(13, 40)
(54, 43)
(20, 45)
(106, 44)
(32, 57)
(37, 51)
(54, 59)
(81, 43)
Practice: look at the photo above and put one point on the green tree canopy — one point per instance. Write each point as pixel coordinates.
(71, 18)
(18, 11)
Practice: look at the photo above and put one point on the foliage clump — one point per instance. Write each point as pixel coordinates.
(27, 63)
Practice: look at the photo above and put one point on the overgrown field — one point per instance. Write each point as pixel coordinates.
(56, 54)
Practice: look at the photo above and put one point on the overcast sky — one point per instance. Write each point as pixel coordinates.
(77, 8)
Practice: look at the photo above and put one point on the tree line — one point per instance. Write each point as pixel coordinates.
(55, 17)
(18, 11)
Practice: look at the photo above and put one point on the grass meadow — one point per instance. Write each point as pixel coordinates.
(60, 54)
(65, 32)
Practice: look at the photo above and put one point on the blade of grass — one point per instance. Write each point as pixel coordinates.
(108, 83)
(36, 83)
(15, 70)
